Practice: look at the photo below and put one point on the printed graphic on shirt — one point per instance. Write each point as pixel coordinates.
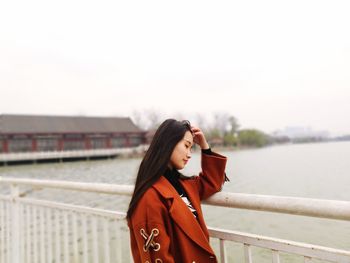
(189, 205)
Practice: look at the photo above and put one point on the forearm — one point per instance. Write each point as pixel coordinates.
(212, 176)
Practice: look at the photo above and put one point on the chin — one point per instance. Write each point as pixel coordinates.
(179, 167)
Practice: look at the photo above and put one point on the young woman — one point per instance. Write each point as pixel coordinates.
(165, 216)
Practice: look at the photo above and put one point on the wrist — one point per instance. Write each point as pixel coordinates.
(205, 146)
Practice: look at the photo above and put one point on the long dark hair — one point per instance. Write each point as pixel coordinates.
(156, 159)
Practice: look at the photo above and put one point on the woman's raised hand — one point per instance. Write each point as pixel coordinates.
(199, 138)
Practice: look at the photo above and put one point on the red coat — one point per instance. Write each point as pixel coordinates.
(163, 229)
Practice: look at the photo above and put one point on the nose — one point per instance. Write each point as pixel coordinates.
(188, 155)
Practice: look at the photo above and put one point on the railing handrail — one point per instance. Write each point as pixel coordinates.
(277, 244)
(322, 208)
(71, 185)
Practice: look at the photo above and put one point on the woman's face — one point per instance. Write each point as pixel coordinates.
(182, 152)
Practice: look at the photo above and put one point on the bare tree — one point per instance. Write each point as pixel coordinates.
(201, 122)
(234, 126)
(146, 119)
(153, 118)
(136, 117)
(221, 122)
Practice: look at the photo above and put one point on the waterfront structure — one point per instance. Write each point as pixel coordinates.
(38, 133)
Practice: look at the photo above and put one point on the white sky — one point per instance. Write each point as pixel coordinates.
(269, 63)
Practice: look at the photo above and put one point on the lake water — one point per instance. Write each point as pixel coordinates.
(320, 170)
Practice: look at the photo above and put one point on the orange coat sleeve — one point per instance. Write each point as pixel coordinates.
(212, 176)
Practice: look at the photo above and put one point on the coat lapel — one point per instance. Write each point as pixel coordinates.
(181, 215)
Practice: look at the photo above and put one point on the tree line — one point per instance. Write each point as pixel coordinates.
(221, 129)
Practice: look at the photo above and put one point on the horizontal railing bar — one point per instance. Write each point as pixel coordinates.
(309, 250)
(73, 208)
(332, 209)
(5, 198)
(69, 185)
(70, 207)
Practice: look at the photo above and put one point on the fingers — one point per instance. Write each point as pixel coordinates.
(199, 137)
(197, 133)
(195, 129)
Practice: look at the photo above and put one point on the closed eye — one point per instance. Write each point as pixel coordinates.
(188, 146)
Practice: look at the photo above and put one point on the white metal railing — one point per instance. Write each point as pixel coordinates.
(33, 230)
(308, 251)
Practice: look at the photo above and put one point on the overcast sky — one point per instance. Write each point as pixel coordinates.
(271, 64)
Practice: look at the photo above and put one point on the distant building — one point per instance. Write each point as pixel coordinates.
(300, 132)
(32, 133)
(149, 136)
(216, 142)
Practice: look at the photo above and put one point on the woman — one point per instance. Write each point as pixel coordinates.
(164, 216)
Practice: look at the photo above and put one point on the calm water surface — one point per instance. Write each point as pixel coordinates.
(306, 170)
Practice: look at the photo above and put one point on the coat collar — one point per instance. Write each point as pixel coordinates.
(178, 209)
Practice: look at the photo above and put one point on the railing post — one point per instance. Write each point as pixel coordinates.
(15, 227)
(223, 257)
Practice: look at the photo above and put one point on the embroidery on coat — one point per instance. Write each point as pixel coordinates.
(149, 242)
